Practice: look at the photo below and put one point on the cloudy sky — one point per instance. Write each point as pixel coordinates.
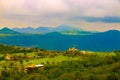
(97, 15)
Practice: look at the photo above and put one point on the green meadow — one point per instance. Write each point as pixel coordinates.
(19, 64)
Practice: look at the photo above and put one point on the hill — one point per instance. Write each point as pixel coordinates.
(39, 64)
(104, 41)
(8, 31)
(64, 29)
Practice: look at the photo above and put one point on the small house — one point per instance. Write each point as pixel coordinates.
(34, 67)
(9, 57)
(86, 52)
(73, 49)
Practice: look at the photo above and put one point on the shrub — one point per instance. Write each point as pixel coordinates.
(102, 77)
(79, 76)
(54, 73)
(35, 76)
(67, 76)
(5, 74)
(112, 77)
(115, 67)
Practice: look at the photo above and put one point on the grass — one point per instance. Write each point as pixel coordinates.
(2, 35)
(56, 59)
(88, 66)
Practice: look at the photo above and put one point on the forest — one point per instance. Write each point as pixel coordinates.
(18, 63)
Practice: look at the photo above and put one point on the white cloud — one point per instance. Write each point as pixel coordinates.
(66, 7)
(95, 8)
(32, 7)
(54, 12)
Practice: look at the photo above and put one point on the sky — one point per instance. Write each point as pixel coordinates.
(98, 15)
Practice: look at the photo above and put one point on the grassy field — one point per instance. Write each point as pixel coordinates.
(61, 65)
(56, 59)
(5, 35)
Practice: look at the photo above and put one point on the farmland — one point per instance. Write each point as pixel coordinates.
(58, 65)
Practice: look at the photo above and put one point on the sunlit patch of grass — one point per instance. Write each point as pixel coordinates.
(56, 59)
(2, 35)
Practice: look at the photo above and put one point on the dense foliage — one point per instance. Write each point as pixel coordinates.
(89, 66)
(4, 49)
(105, 41)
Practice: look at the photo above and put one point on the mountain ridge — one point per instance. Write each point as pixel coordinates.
(64, 29)
(104, 41)
(6, 30)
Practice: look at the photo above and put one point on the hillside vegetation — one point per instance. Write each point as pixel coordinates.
(102, 41)
(19, 64)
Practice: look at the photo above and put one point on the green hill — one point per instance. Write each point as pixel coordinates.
(67, 65)
(8, 31)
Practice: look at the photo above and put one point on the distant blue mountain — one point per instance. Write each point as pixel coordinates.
(107, 19)
(44, 29)
(8, 31)
(104, 41)
(64, 29)
(24, 30)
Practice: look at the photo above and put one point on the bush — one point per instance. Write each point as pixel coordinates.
(5, 74)
(102, 77)
(79, 76)
(35, 76)
(115, 67)
(54, 73)
(67, 76)
(112, 77)
(91, 76)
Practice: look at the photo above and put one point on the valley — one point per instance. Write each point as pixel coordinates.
(59, 40)
(73, 64)
(102, 41)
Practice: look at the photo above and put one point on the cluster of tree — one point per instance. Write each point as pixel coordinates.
(4, 49)
(90, 67)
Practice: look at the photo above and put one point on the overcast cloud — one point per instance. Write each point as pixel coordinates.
(52, 13)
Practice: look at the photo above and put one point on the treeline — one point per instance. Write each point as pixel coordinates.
(4, 49)
(88, 67)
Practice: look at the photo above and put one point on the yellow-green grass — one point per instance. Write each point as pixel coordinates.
(56, 59)
(5, 35)
(104, 54)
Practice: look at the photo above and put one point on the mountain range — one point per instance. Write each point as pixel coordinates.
(8, 31)
(102, 41)
(63, 29)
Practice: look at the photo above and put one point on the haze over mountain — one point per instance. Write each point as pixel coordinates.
(64, 29)
(103, 41)
(91, 15)
(8, 31)
(78, 20)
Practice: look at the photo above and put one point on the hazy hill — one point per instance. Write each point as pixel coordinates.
(105, 41)
(8, 31)
(64, 29)
(24, 30)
